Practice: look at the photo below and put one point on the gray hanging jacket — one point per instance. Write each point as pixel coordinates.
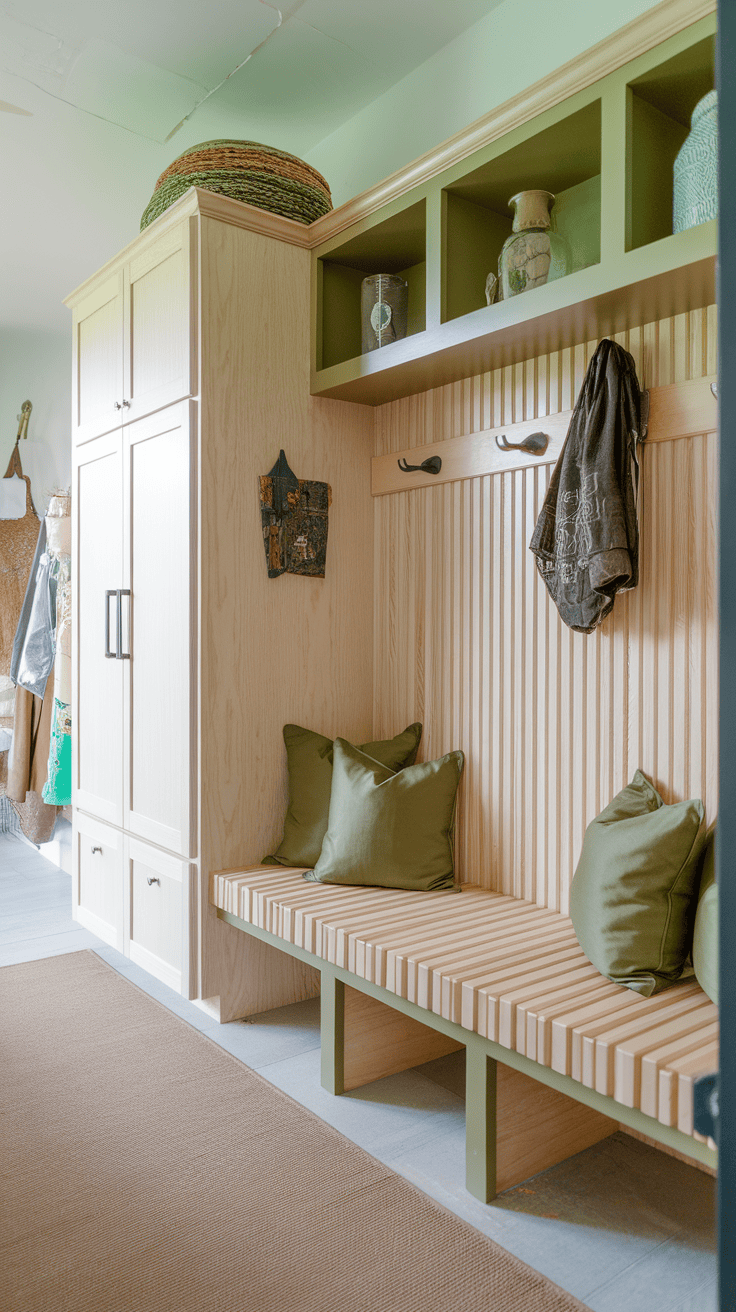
(586, 539)
(35, 639)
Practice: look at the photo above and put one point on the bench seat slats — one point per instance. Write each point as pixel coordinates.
(675, 1008)
(534, 1020)
(513, 934)
(628, 1056)
(452, 988)
(660, 1058)
(504, 967)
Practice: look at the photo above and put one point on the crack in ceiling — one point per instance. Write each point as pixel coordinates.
(237, 68)
(46, 61)
(133, 68)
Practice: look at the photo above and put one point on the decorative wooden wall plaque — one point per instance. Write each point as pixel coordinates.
(294, 519)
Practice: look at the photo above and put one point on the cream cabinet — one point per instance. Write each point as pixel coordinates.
(160, 908)
(135, 585)
(98, 890)
(97, 545)
(187, 659)
(133, 348)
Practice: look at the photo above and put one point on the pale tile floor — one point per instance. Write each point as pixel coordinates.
(621, 1226)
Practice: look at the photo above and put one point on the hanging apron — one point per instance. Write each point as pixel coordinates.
(58, 787)
(18, 538)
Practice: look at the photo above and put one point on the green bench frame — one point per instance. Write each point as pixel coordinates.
(482, 1056)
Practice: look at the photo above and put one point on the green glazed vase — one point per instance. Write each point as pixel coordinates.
(534, 253)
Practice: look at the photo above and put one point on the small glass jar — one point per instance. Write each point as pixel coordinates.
(384, 305)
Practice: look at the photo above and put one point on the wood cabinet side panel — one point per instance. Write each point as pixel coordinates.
(272, 651)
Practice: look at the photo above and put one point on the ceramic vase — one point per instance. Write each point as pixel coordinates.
(695, 191)
(384, 304)
(534, 253)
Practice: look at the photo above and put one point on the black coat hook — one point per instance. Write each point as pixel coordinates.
(536, 444)
(432, 465)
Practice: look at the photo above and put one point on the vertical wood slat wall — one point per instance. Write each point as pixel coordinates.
(467, 640)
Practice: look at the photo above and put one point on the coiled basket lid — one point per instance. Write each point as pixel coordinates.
(246, 171)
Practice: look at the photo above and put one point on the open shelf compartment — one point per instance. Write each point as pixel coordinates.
(607, 156)
(564, 159)
(397, 245)
(659, 107)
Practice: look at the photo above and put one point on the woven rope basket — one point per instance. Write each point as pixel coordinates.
(246, 171)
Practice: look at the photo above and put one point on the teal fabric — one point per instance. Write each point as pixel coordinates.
(390, 829)
(705, 936)
(309, 759)
(632, 900)
(57, 790)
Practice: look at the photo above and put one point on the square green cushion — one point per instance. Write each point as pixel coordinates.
(309, 759)
(705, 937)
(632, 900)
(387, 829)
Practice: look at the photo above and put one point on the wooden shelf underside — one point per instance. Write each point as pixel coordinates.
(582, 307)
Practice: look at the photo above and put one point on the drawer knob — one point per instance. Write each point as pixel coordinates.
(117, 405)
(97, 849)
(154, 880)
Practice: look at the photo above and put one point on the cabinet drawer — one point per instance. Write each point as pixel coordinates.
(97, 875)
(160, 889)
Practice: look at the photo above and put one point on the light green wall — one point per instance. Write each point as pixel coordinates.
(36, 366)
(512, 47)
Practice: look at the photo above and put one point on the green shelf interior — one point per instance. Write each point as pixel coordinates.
(397, 245)
(564, 159)
(659, 106)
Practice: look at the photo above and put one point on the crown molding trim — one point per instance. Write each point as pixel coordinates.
(212, 206)
(621, 47)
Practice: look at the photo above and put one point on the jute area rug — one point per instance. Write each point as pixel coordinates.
(146, 1170)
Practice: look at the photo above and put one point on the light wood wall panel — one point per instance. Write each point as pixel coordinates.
(281, 650)
(467, 640)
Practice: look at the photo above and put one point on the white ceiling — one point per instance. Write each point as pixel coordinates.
(104, 95)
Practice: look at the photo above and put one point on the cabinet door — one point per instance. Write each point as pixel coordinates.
(159, 363)
(160, 561)
(160, 911)
(97, 354)
(97, 738)
(97, 879)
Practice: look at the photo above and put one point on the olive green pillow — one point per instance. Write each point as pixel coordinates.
(632, 900)
(705, 938)
(309, 760)
(393, 830)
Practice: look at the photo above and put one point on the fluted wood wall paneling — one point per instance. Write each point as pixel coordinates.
(552, 723)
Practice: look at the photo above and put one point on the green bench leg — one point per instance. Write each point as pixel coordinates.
(332, 1032)
(480, 1123)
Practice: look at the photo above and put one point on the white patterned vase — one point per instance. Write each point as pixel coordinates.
(695, 194)
(534, 253)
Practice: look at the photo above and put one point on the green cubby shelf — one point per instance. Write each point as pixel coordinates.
(659, 104)
(606, 154)
(476, 219)
(395, 245)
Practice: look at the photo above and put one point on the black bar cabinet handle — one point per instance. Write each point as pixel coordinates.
(120, 654)
(110, 655)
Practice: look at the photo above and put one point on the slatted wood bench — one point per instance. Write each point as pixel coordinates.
(557, 1056)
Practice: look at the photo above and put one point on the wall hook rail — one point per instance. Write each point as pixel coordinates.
(24, 416)
(432, 465)
(536, 444)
